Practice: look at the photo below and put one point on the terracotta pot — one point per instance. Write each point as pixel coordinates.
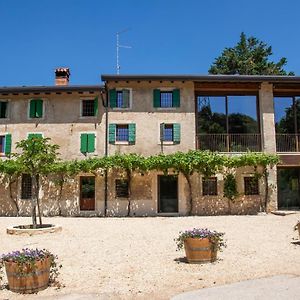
(200, 250)
(27, 279)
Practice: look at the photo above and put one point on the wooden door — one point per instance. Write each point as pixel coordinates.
(87, 193)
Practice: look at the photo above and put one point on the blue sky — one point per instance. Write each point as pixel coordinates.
(167, 36)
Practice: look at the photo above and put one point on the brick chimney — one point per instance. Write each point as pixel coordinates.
(62, 76)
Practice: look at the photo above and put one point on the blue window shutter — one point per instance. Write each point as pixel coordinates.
(83, 143)
(176, 133)
(131, 136)
(156, 98)
(7, 149)
(176, 98)
(113, 98)
(112, 133)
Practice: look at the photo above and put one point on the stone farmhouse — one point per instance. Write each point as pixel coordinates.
(148, 115)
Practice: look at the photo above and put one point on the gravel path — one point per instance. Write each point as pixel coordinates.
(129, 258)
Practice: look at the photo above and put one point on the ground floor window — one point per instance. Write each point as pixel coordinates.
(251, 186)
(26, 186)
(122, 188)
(209, 186)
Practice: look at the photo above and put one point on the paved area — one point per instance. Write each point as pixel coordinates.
(275, 288)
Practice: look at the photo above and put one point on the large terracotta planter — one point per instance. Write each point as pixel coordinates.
(200, 250)
(27, 279)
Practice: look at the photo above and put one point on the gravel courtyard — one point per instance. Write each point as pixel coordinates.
(129, 258)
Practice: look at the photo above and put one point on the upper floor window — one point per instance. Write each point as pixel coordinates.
(228, 123)
(3, 109)
(209, 186)
(119, 98)
(87, 142)
(287, 123)
(166, 98)
(122, 133)
(170, 133)
(5, 144)
(89, 108)
(36, 108)
(251, 186)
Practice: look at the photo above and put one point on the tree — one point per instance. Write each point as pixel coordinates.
(250, 56)
(37, 158)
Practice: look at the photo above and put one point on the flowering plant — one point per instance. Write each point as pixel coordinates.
(28, 257)
(297, 225)
(216, 238)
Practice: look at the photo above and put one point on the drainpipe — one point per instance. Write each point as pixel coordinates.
(106, 151)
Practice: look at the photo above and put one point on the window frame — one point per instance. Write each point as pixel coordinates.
(122, 141)
(22, 186)
(43, 110)
(125, 195)
(7, 109)
(120, 89)
(89, 98)
(247, 177)
(167, 90)
(213, 179)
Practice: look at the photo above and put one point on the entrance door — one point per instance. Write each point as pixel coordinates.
(167, 194)
(288, 180)
(87, 193)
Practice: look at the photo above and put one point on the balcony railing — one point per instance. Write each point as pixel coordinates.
(223, 142)
(287, 142)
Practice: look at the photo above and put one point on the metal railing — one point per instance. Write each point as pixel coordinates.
(223, 142)
(287, 142)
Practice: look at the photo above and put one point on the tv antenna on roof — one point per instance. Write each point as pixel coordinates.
(120, 46)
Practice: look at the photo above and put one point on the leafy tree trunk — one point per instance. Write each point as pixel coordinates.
(13, 199)
(128, 173)
(266, 181)
(35, 202)
(61, 186)
(190, 199)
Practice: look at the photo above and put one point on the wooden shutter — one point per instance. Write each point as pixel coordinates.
(34, 135)
(113, 98)
(32, 109)
(7, 148)
(112, 133)
(83, 143)
(96, 106)
(176, 133)
(91, 142)
(39, 108)
(176, 98)
(131, 133)
(126, 95)
(156, 98)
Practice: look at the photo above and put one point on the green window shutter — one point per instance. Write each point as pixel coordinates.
(112, 133)
(176, 98)
(156, 98)
(7, 149)
(126, 95)
(32, 108)
(96, 106)
(176, 133)
(113, 98)
(39, 108)
(91, 142)
(162, 129)
(34, 135)
(83, 143)
(131, 133)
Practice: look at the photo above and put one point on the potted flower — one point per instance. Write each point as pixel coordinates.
(29, 270)
(297, 227)
(201, 245)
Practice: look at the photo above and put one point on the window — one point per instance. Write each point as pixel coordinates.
(228, 123)
(35, 135)
(251, 186)
(209, 186)
(166, 99)
(122, 188)
(119, 98)
(26, 186)
(122, 133)
(87, 143)
(36, 108)
(170, 133)
(89, 107)
(3, 109)
(5, 144)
